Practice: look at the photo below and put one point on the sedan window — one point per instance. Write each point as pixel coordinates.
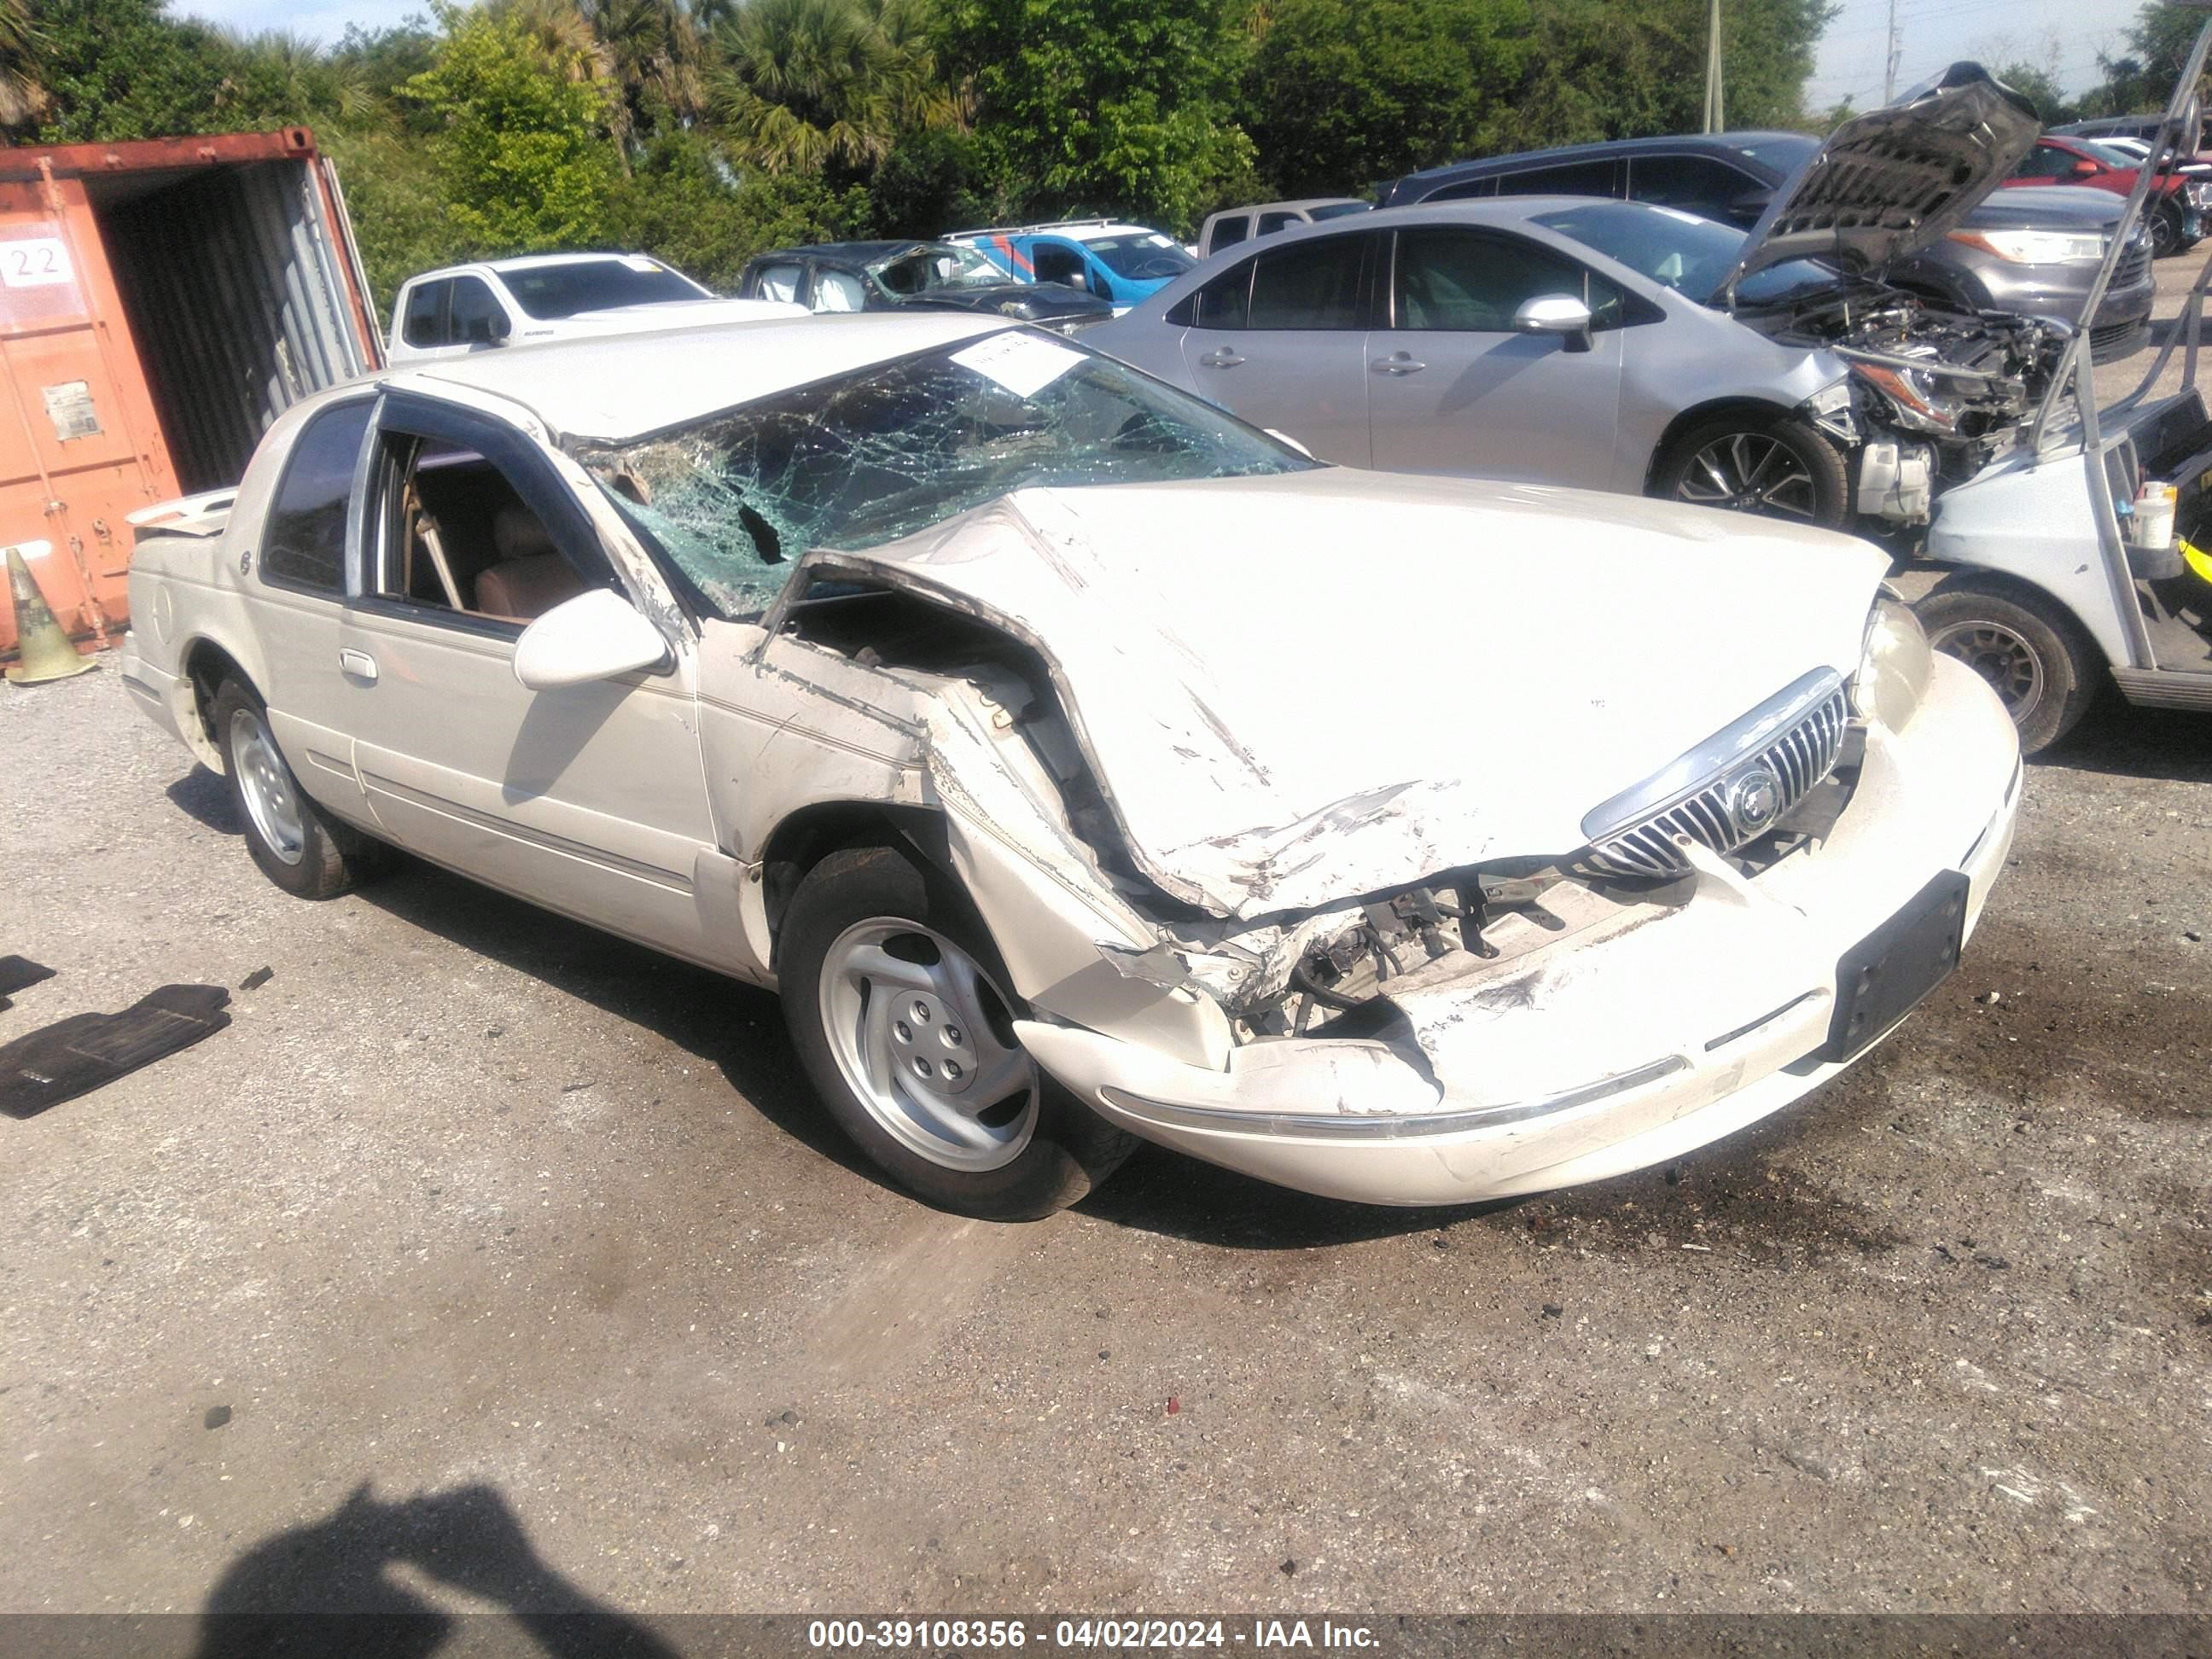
(303, 543)
(867, 457)
(1696, 182)
(1449, 278)
(1309, 285)
(1227, 232)
(779, 282)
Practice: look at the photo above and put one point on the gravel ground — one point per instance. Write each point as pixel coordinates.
(490, 1261)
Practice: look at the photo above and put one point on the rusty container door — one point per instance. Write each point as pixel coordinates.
(79, 446)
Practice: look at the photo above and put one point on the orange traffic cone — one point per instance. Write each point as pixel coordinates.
(43, 652)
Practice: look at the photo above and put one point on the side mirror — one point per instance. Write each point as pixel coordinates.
(1078, 279)
(594, 636)
(2085, 169)
(1556, 313)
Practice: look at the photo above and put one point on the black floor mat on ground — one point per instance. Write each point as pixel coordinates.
(19, 974)
(75, 1055)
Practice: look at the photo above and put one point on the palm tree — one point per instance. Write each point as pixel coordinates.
(801, 82)
(308, 82)
(21, 96)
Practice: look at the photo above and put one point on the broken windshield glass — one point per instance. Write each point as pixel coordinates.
(868, 457)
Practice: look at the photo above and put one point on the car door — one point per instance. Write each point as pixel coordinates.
(586, 799)
(1453, 387)
(295, 575)
(1280, 338)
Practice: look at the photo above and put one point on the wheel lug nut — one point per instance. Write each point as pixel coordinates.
(920, 1012)
(902, 1031)
(951, 1071)
(951, 1037)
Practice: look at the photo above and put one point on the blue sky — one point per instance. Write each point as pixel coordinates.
(1935, 33)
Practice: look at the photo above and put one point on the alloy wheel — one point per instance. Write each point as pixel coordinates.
(925, 1043)
(1749, 473)
(2000, 657)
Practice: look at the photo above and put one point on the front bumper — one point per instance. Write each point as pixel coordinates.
(1593, 1059)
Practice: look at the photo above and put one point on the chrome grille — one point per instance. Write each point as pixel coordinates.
(1802, 754)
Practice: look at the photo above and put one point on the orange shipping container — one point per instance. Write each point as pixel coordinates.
(161, 303)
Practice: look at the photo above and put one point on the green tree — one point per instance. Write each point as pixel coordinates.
(2040, 87)
(809, 84)
(21, 96)
(116, 69)
(1121, 106)
(1342, 94)
(2140, 79)
(686, 205)
(518, 144)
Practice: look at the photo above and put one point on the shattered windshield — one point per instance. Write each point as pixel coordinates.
(938, 267)
(1692, 256)
(867, 457)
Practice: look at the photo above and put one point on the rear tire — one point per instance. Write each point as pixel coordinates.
(2034, 655)
(899, 1006)
(1771, 464)
(2166, 235)
(297, 846)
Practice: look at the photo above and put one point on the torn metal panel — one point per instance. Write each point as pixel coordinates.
(1264, 752)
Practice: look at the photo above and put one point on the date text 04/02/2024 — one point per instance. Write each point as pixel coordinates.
(1260, 1635)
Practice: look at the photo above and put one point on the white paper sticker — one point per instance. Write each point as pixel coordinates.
(1022, 363)
(638, 262)
(34, 261)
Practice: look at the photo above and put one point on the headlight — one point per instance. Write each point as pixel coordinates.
(2036, 247)
(1894, 665)
(1912, 397)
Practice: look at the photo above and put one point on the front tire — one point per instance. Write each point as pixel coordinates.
(2167, 234)
(2034, 655)
(898, 1006)
(305, 853)
(1771, 464)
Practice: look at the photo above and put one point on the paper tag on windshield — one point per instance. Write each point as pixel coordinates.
(1022, 363)
(638, 262)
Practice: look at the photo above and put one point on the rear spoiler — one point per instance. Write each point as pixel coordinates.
(202, 515)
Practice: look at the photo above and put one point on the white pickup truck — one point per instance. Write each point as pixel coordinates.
(459, 309)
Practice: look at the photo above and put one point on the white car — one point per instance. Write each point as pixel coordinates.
(1082, 764)
(553, 296)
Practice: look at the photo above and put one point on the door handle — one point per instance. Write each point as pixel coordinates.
(1399, 362)
(357, 664)
(1220, 357)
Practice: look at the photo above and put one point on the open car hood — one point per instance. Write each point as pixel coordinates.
(1300, 688)
(1895, 180)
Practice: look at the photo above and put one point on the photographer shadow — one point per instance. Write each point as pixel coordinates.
(329, 1587)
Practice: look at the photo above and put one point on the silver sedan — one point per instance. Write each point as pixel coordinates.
(1484, 337)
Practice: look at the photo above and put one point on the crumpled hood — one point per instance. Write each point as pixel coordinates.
(1897, 179)
(1299, 688)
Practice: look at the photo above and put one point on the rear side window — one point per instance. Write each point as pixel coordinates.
(1571, 179)
(1272, 222)
(1056, 262)
(425, 324)
(1226, 301)
(1310, 285)
(779, 283)
(1696, 183)
(303, 543)
(1227, 232)
(1465, 192)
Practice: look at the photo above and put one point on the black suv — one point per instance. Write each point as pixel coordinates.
(895, 276)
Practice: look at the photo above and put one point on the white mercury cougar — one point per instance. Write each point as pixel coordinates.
(1081, 764)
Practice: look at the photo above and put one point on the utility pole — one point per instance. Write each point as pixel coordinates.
(1716, 113)
(1889, 70)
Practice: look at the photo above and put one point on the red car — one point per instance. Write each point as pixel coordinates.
(2177, 203)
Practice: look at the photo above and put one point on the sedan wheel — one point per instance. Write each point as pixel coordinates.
(1756, 462)
(2024, 644)
(264, 784)
(1748, 472)
(924, 1041)
(903, 1013)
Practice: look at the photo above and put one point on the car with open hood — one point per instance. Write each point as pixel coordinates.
(927, 276)
(1635, 345)
(1003, 709)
